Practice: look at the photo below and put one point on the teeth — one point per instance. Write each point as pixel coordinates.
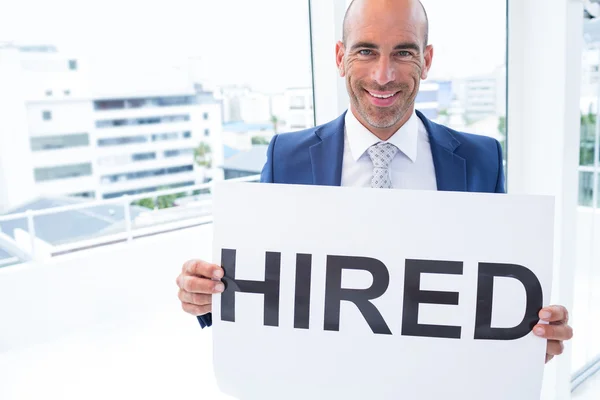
(382, 97)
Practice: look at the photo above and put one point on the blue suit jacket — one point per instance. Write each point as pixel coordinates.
(463, 162)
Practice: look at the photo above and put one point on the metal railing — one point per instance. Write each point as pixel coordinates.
(130, 231)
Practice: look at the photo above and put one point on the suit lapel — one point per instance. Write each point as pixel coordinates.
(450, 168)
(327, 155)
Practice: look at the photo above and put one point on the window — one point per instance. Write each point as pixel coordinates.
(587, 269)
(187, 135)
(147, 190)
(160, 137)
(207, 132)
(109, 104)
(112, 123)
(177, 153)
(116, 160)
(136, 103)
(48, 93)
(85, 195)
(176, 101)
(427, 96)
(72, 65)
(124, 159)
(143, 156)
(205, 116)
(62, 172)
(46, 115)
(467, 96)
(146, 174)
(122, 140)
(586, 188)
(587, 139)
(297, 103)
(145, 102)
(59, 142)
(67, 92)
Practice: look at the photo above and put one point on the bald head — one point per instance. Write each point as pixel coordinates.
(356, 6)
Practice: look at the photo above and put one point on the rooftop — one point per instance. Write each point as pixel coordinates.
(243, 127)
(70, 225)
(252, 160)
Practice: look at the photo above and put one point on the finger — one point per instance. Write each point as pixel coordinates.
(196, 310)
(554, 314)
(193, 284)
(555, 347)
(554, 332)
(203, 268)
(195, 298)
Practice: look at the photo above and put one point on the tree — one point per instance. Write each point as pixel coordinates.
(148, 203)
(202, 155)
(166, 201)
(275, 122)
(257, 140)
(502, 125)
(587, 138)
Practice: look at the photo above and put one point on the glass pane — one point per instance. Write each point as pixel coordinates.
(586, 306)
(587, 138)
(586, 188)
(467, 93)
(160, 111)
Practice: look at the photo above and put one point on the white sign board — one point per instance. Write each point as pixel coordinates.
(352, 293)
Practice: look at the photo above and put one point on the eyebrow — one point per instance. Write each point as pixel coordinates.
(400, 46)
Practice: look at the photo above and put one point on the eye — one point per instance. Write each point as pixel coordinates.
(365, 52)
(404, 53)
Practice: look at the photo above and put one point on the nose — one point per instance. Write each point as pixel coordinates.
(383, 71)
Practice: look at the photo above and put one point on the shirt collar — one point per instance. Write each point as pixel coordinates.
(360, 138)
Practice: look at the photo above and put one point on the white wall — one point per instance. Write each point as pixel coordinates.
(111, 286)
(586, 305)
(69, 116)
(543, 107)
(214, 140)
(62, 187)
(16, 183)
(105, 323)
(54, 157)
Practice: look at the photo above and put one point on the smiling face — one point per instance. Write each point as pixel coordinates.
(383, 59)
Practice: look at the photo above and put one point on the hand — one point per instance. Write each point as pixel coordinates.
(197, 282)
(556, 332)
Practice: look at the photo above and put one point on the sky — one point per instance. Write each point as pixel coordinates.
(262, 43)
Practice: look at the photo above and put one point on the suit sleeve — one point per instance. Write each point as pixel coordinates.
(205, 320)
(266, 176)
(500, 180)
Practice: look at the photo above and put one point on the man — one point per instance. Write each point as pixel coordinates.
(381, 142)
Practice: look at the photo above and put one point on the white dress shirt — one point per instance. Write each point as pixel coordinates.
(411, 168)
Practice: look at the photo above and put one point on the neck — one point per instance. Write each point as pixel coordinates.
(383, 134)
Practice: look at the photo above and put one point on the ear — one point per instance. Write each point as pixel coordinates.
(340, 50)
(428, 58)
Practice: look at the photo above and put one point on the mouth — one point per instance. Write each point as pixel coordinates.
(382, 99)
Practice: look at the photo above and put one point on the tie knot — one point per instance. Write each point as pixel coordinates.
(382, 154)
